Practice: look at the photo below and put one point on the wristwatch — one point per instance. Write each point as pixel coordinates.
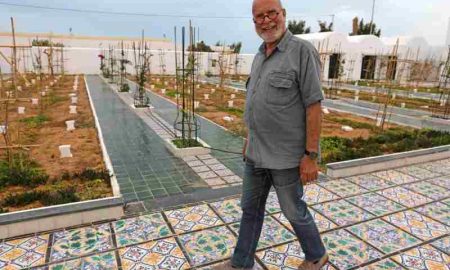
(312, 155)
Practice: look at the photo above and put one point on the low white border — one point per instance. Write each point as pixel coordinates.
(106, 159)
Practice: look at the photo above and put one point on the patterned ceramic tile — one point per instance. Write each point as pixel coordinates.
(322, 223)
(104, 261)
(442, 244)
(370, 182)
(387, 264)
(140, 229)
(272, 233)
(221, 265)
(288, 256)
(443, 181)
(346, 251)
(395, 177)
(417, 224)
(209, 245)
(160, 254)
(342, 187)
(192, 218)
(435, 167)
(375, 204)
(418, 172)
(438, 211)
(229, 210)
(342, 212)
(313, 194)
(424, 257)
(429, 190)
(383, 235)
(272, 204)
(446, 201)
(23, 253)
(79, 242)
(404, 196)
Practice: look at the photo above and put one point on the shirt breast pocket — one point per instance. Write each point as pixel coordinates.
(281, 89)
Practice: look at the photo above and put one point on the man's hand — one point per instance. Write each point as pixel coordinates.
(309, 170)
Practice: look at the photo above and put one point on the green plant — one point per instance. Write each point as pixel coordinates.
(124, 88)
(35, 121)
(22, 198)
(22, 172)
(3, 210)
(60, 196)
(185, 143)
(53, 98)
(92, 174)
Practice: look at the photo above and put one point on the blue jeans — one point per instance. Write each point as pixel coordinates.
(256, 187)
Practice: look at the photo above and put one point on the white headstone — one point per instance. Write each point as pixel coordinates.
(442, 102)
(70, 125)
(356, 98)
(72, 95)
(8, 94)
(65, 151)
(74, 100)
(34, 101)
(158, 79)
(75, 88)
(2, 129)
(33, 81)
(206, 96)
(228, 118)
(402, 104)
(347, 128)
(357, 92)
(394, 96)
(196, 104)
(19, 88)
(152, 86)
(217, 85)
(51, 83)
(233, 96)
(27, 85)
(20, 110)
(46, 87)
(415, 90)
(213, 90)
(166, 83)
(339, 92)
(73, 109)
(43, 93)
(163, 91)
(230, 104)
(177, 96)
(198, 86)
(325, 110)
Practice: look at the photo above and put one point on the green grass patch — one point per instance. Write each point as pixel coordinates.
(22, 172)
(185, 143)
(234, 111)
(35, 121)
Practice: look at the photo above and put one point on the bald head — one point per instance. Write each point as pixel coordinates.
(275, 3)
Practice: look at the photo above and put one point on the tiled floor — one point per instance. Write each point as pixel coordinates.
(395, 219)
(390, 227)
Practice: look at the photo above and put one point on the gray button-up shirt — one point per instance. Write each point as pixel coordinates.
(279, 90)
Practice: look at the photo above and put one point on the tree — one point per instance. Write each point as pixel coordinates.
(367, 29)
(324, 28)
(45, 43)
(236, 47)
(201, 47)
(299, 27)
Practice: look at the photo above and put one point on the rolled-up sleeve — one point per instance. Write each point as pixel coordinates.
(309, 76)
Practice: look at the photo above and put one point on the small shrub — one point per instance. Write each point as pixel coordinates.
(124, 88)
(35, 121)
(92, 174)
(24, 173)
(184, 143)
(22, 199)
(60, 196)
(3, 210)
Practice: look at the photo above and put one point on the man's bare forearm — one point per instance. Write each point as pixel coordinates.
(313, 126)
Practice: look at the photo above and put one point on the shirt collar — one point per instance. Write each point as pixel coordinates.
(281, 46)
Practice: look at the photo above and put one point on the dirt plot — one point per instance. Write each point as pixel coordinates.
(44, 127)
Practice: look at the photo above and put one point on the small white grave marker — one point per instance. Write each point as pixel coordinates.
(206, 96)
(19, 88)
(347, 128)
(73, 109)
(152, 86)
(213, 90)
(325, 110)
(34, 101)
(230, 104)
(65, 151)
(2, 129)
(356, 98)
(163, 91)
(233, 96)
(196, 104)
(402, 104)
(20, 110)
(70, 125)
(228, 118)
(74, 100)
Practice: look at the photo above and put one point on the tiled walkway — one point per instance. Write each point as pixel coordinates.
(392, 219)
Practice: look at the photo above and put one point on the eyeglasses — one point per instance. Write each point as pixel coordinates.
(272, 15)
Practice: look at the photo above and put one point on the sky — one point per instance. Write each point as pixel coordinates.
(426, 18)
